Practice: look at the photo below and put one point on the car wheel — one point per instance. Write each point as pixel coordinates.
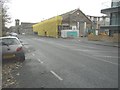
(22, 58)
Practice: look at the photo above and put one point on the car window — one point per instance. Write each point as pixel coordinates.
(10, 41)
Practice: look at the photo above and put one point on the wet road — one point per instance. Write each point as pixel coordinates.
(67, 63)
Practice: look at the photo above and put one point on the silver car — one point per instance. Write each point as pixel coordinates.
(12, 49)
(14, 34)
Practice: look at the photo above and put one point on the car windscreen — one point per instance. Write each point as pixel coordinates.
(9, 41)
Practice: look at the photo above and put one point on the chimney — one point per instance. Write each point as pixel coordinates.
(17, 21)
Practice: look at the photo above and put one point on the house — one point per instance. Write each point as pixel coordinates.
(72, 20)
(114, 13)
(26, 28)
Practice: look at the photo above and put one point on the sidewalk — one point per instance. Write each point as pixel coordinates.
(111, 44)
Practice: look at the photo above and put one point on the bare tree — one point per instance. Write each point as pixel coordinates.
(4, 14)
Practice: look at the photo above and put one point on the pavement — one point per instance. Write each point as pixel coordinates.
(104, 43)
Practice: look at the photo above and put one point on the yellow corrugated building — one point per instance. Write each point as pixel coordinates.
(52, 27)
(48, 27)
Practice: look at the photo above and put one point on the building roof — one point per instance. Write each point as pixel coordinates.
(111, 27)
(73, 11)
(110, 10)
(67, 14)
(27, 23)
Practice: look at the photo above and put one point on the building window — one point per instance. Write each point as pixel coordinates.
(115, 3)
(115, 19)
(119, 18)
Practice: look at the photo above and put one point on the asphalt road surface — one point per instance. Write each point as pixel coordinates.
(67, 63)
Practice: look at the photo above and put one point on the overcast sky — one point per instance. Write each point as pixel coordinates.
(37, 10)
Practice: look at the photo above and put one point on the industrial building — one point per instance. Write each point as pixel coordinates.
(114, 14)
(73, 20)
(98, 21)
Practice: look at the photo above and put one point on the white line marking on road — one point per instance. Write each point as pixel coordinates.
(86, 50)
(107, 61)
(56, 75)
(40, 61)
(106, 56)
(27, 47)
(65, 46)
(93, 56)
(33, 54)
(100, 59)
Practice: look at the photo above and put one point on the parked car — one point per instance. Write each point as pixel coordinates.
(12, 49)
(23, 33)
(14, 34)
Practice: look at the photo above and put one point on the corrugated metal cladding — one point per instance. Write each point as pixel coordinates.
(48, 27)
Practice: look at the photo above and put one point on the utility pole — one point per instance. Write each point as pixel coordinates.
(0, 19)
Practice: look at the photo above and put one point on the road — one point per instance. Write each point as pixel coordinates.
(67, 63)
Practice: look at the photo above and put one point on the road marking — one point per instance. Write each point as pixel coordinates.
(86, 50)
(93, 56)
(40, 61)
(116, 45)
(65, 46)
(56, 75)
(33, 54)
(106, 56)
(100, 59)
(27, 47)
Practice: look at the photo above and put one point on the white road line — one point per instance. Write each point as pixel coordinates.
(106, 56)
(76, 50)
(40, 61)
(93, 56)
(100, 59)
(56, 75)
(86, 50)
(65, 46)
(27, 47)
(33, 54)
